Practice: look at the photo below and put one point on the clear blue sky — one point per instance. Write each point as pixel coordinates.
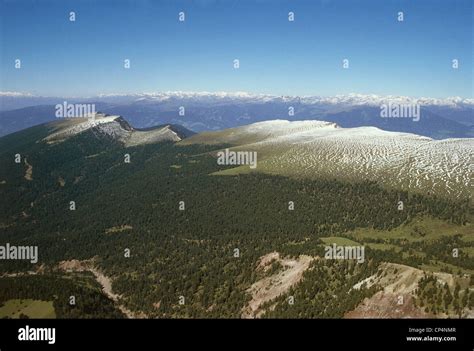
(303, 57)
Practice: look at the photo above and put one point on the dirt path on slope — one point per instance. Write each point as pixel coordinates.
(29, 171)
(270, 287)
(104, 281)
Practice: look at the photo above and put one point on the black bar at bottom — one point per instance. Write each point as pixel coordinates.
(405, 334)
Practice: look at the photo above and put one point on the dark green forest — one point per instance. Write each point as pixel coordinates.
(89, 301)
(189, 252)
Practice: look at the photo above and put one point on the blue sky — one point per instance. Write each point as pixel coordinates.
(303, 57)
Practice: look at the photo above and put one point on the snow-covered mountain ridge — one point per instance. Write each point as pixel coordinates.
(352, 99)
(349, 99)
(114, 127)
(322, 149)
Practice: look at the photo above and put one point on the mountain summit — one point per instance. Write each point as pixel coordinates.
(115, 127)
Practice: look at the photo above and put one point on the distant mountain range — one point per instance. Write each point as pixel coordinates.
(439, 118)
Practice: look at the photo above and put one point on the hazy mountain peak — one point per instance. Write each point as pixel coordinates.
(14, 94)
(349, 99)
(353, 99)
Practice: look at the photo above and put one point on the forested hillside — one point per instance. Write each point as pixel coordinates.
(180, 242)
